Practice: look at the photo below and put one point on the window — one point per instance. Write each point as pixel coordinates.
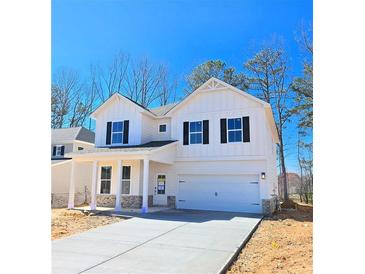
(196, 132)
(117, 132)
(161, 184)
(105, 179)
(234, 130)
(162, 128)
(80, 148)
(58, 150)
(126, 180)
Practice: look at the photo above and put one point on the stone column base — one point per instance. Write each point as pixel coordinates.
(268, 206)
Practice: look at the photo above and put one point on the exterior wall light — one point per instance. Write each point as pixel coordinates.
(263, 175)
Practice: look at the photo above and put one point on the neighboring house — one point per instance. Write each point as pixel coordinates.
(214, 150)
(66, 140)
(293, 180)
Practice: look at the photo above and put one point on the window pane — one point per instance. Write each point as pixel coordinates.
(230, 124)
(196, 138)
(126, 172)
(117, 126)
(235, 136)
(234, 123)
(105, 187)
(195, 126)
(192, 127)
(162, 128)
(126, 186)
(117, 138)
(237, 123)
(106, 172)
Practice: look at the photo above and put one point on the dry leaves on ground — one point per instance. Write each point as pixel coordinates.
(281, 244)
(67, 222)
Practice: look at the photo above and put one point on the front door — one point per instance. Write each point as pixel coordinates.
(159, 194)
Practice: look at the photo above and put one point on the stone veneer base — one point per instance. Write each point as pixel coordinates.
(60, 200)
(268, 206)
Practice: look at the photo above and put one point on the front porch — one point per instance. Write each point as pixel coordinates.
(127, 178)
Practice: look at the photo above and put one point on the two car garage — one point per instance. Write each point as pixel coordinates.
(235, 193)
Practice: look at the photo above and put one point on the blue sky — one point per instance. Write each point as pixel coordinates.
(179, 34)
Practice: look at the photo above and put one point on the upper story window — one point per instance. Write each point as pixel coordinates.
(162, 128)
(196, 132)
(234, 130)
(59, 150)
(80, 148)
(117, 132)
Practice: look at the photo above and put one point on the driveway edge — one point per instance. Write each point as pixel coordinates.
(239, 249)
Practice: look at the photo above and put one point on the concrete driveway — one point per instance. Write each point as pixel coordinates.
(171, 241)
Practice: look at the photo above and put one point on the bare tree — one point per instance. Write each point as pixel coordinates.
(110, 80)
(144, 81)
(268, 79)
(168, 89)
(65, 87)
(72, 101)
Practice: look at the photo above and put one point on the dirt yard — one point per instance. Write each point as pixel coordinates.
(281, 244)
(67, 222)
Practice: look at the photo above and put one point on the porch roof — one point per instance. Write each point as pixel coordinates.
(143, 149)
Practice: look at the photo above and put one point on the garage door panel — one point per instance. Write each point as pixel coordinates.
(219, 192)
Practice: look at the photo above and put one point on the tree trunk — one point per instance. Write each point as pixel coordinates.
(283, 168)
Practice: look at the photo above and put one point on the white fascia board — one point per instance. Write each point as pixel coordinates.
(61, 163)
(272, 124)
(203, 88)
(84, 142)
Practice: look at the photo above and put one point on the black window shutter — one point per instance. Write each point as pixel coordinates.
(206, 132)
(246, 129)
(63, 150)
(54, 151)
(108, 133)
(223, 131)
(186, 133)
(125, 131)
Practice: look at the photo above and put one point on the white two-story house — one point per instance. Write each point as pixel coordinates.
(214, 150)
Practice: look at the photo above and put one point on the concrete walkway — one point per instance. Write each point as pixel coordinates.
(163, 242)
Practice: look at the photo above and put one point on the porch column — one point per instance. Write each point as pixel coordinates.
(71, 190)
(146, 169)
(118, 206)
(93, 185)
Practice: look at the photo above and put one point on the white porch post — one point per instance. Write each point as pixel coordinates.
(93, 185)
(71, 191)
(146, 169)
(118, 206)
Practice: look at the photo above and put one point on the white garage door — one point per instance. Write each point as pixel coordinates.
(237, 193)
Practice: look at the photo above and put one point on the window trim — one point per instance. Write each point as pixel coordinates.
(130, 182)
(164, 174)
(228, 130)
(196, 132)
(162, 132)
(58, 147)
(118, 132)
(111, 179)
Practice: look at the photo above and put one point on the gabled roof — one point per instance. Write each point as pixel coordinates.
(67, 135)
(121, 97)
(216, 84)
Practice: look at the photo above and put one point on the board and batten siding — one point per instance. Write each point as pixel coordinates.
(118, 110)
(213, 106)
